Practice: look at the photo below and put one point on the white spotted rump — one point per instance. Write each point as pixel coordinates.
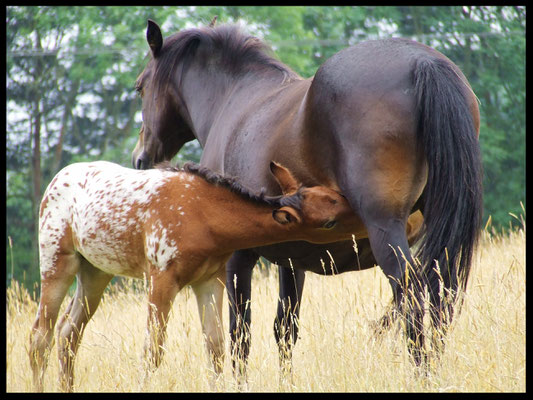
(96, 206)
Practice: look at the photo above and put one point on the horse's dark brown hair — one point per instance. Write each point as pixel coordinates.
(392, 123)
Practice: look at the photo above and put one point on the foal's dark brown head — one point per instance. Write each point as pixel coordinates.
(167, 124)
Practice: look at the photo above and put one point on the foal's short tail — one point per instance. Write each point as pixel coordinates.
(453, 194)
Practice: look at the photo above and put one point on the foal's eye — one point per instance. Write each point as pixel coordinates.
(330, 224)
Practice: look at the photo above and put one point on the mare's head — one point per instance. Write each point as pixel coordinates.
(166, 123)
(320, 214)
(180, 83)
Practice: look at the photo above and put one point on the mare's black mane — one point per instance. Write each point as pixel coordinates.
(235, 48)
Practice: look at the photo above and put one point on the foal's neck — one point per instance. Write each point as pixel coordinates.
(238, 223)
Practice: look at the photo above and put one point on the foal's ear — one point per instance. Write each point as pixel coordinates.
(154, 37)
(286, 215)
(286, 181)
(213, 22)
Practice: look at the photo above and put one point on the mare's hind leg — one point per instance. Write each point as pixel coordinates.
(391, 249)
(91, 283)
(413, 228)
(209, 298)
(54, 286)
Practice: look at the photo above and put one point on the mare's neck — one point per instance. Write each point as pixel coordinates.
(211, 94)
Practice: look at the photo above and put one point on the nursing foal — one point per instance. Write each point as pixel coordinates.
(175, 227)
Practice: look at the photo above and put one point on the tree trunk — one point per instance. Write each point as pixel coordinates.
(36, 172)
(36, 178)
(64, 124)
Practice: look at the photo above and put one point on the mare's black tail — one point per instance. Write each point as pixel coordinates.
(453, 195)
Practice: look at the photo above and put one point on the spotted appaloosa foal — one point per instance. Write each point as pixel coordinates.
(175, 227)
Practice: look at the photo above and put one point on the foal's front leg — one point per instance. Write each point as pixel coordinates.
(209, 298)
(162, 290)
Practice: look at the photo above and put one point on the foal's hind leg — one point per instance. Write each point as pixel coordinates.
(54, 286)
(91, 283)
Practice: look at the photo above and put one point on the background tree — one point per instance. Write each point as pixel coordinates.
(71, 72)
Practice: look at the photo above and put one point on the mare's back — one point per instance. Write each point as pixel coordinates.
(373, 64)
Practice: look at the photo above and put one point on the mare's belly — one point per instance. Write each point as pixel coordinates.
(323, 259)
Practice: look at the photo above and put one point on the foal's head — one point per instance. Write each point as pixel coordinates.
(321, 214)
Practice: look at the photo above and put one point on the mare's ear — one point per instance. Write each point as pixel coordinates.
(154, 37)
(286, 215)
(286, 181)
(213, 22)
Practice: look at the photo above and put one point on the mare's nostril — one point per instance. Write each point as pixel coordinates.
(143, 161)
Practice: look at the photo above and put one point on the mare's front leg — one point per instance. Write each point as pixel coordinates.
(209, 298)
(163, 287)
(238, 285)
(291, 283)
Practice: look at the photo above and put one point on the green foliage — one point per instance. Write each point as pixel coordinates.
(18, 226)
(73, 69)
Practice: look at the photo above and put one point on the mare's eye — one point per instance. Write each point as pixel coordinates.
(330, 224)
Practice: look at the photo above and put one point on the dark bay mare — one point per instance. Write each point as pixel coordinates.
(392, 124)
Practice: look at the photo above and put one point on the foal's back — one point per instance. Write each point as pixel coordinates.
(108, 214)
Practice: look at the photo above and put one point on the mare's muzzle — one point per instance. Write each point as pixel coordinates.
(142, 162)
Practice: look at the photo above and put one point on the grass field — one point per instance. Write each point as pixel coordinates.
(336, 352)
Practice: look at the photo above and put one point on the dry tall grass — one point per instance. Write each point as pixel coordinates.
(336, 351)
